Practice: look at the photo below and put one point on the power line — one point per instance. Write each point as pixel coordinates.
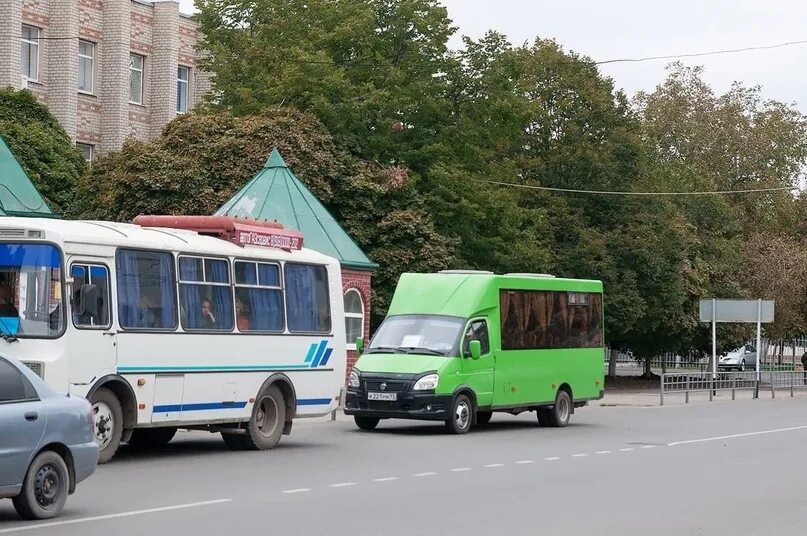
(700, 54)
(617, 192)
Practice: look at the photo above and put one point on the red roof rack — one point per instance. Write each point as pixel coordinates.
(241, 231)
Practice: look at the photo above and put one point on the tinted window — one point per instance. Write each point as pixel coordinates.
(90, 283)
(13, 385)
(146, 290)
(546, 319)
(205, 295)
(308, 307)
(258, 296)
(477, 331)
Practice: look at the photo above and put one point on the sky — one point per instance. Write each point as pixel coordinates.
(634, 28)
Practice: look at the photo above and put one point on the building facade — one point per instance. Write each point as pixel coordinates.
(108, 70)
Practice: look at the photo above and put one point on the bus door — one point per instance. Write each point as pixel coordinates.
(478, 373)
(91, 338)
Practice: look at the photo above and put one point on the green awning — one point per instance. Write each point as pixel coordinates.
(276, 194)
(18, 195)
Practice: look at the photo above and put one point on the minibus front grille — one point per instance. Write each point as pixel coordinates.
(385, 386)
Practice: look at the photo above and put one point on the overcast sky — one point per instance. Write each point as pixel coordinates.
(636, 28)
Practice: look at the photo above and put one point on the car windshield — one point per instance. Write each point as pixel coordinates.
(30, 290)
(417, 334)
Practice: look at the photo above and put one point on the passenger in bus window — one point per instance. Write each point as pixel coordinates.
(241, 315)
(208, 320)
(7, 308)
(147, 318)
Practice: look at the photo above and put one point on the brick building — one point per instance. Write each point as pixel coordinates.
(275, 194)
(108, 70)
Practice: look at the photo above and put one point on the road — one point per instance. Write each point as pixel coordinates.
(723, 468)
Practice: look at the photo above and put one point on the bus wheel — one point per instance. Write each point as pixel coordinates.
(366, 423)
(151, 438)
(483, 417)
(266, 424)
(459, 421)
(107, 423)
(561, 412)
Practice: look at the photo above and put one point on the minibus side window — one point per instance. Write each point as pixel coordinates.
(477, 331)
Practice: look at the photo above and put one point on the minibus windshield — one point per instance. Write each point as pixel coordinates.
(417, 334)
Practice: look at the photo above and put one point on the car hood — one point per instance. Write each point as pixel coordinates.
(400, 363)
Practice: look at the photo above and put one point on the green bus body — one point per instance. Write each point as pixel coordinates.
(548, 339)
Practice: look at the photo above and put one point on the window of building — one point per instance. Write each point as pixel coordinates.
(146, 290)
(354, 317)
(258, 296)
(308, 308)
(91, 296)
(183, 77)
(87, 150)
(205, 294)
(30, 52)
(86, 61)
(14, 387)
(533, 319)
(136, 68)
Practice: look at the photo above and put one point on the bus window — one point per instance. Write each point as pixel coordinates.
(98, 277)
(258, 296)
(308, 306)
(205, 295)
(146, 290)
(532, 319)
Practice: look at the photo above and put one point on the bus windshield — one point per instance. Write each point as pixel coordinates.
(417, 334)
(30, 290)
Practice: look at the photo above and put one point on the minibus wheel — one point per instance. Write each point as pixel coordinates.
(459, 420)
(366, 423)
(561, 412)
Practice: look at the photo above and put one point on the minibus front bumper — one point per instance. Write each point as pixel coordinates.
(425, 406)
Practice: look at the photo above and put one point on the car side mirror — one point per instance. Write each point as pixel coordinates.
(359, 345)
(476, 349)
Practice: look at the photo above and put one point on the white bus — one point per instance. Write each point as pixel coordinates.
(234, 329)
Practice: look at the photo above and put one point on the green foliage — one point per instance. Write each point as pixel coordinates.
(41, 146)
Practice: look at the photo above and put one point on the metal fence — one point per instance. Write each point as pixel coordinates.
(702, 382)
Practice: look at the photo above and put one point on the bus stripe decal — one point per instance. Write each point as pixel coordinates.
(325, 358)
(311, 350)
(222, 368)
(313, 401)
(320, 351)
(202, 406)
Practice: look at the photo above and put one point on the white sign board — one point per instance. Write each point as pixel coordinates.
(742, 311)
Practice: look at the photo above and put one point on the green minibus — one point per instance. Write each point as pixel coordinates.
(457, 346)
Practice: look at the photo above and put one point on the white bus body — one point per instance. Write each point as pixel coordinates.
(171, 376)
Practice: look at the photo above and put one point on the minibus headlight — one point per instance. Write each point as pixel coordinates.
(427, 383)
(353, 381)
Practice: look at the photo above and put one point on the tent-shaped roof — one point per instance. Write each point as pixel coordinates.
(18, 195)
(276, 194)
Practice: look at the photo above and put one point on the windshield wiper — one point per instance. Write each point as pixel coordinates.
(421, 350)
(384, 350)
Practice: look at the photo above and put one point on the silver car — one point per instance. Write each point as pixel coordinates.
(742, 358)
(46, 442)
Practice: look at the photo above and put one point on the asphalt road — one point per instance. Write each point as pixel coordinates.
(724, 468)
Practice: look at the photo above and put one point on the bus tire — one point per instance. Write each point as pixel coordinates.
(151, 438)
(459, 420)
(561, 412)
(366, 423)
(483, 417)
(107, 423)
(265, 427)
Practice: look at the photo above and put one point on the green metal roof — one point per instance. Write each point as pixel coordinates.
(275, 194)
(18, 195)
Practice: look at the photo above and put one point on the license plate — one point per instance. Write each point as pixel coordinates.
(382, 396)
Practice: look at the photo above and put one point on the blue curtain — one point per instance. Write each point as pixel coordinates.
(190, 295)
(267, 309)
(168, 313)
(301, 293)
(128, 289)
(222, 296)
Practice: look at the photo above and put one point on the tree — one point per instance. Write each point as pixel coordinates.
(42, 147)
(201, 160)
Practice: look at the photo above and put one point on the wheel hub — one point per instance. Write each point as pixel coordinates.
(462, 415)
(104, 424)
(47, 486)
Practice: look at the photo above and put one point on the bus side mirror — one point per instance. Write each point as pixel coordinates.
(359, 345)
(87, 300)
(476, 349)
